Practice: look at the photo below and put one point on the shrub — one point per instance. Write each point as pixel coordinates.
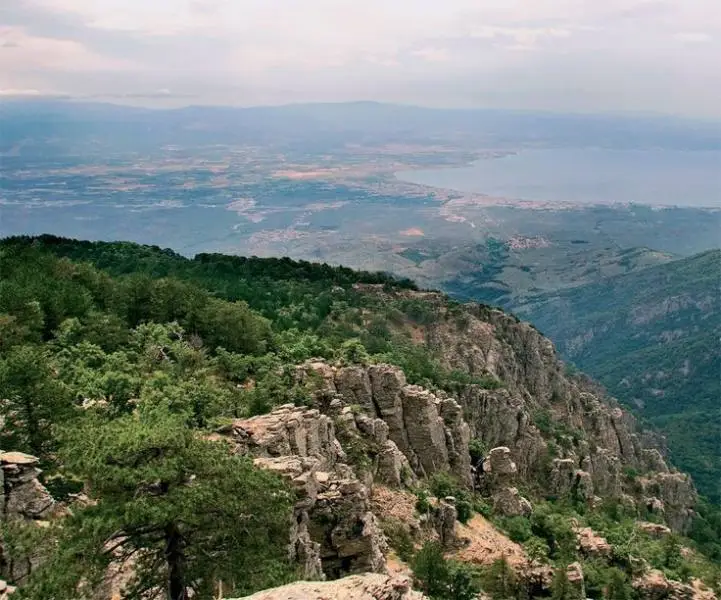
(500, 581)
(442, 579)
(477, 450)
(543, 421)
(430, 570)
(537, 549)
(399, 538)
(517, 528)
(353, 351)
(423, 504)
(442, 485)
(464, 510)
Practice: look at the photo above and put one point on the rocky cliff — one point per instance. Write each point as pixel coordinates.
(551, 434)
(559, 428)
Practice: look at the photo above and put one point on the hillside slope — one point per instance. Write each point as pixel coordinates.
(651, 337)
(507, 273)
(348, 413)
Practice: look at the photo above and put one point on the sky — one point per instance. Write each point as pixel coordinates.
(658, 56)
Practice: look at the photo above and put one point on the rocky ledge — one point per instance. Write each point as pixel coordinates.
(357, 587)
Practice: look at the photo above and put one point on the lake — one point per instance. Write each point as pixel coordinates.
(590, 176)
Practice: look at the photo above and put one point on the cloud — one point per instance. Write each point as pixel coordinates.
(549, 54)
(693, 37)
(433, 54)
(20, 93)
(161, 94)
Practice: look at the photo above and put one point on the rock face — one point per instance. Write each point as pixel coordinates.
(562, 434)
(370, 427)
(509, 503)
(23, 499)
(672, 495)
(574, 572)
(429, 430)
(591, 544)
(654, 585)
(334, 532)
(357, 587)
(541, 412)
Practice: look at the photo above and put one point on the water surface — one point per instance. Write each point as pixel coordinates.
(655, 177)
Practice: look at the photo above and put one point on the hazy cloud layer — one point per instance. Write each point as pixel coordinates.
(655, 55)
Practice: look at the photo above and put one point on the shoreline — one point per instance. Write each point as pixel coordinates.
(485, 199)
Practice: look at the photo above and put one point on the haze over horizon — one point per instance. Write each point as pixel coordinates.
(558, 55)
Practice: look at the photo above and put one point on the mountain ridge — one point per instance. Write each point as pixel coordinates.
(331, 382)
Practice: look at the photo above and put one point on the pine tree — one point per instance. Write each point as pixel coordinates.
(31, 400)
(430, 570)
(618, 587)
(562, 588)
(186, 511)
(500, 581)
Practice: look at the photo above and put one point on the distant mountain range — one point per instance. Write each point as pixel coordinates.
(332, 124)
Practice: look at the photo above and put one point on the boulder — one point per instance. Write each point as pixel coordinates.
(654, 585)
(591, 544)
(458, 437)
(354, 384)
(350, 538)
(444, 517)
(654, 529)
(429, 430)
(499, 462)
(393, 468)
(333, 532)
(509, 503)
(289, 430)
(652, 460)
(424, 429)
(676, 494)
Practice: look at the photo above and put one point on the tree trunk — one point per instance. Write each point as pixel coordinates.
(175, 559)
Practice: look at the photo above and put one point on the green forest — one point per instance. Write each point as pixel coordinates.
(117, 362)
(652, 341)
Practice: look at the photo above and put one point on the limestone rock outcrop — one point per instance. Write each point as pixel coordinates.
(429, 430)
(654, 585)
(508, 502)
(356, 587)
(23, 499)
(676, 495)
(6, 590)
(333, 532)
(591, 544)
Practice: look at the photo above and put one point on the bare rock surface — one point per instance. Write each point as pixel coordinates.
(508, 502)
(654, 585)
(356, 587)
(22, 498)
(591, 544)
(333, 531)
(427, 429)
